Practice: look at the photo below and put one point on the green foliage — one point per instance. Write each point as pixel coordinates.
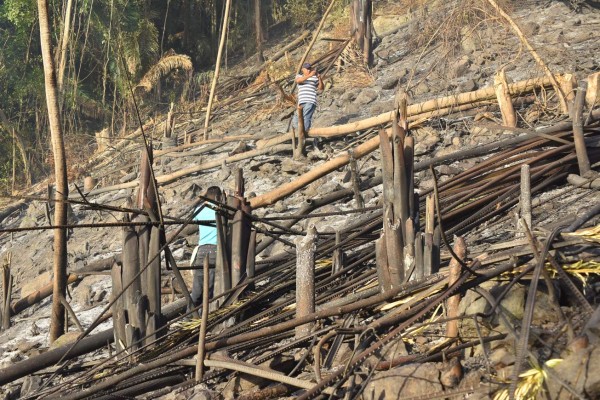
(302, 13)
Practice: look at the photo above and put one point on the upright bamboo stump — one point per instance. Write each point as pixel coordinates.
(305, 278)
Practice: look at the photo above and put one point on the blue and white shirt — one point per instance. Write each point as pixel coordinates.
(206, 234)
(307, 90)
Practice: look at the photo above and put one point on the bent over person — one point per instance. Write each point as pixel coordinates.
(207, 244)
(309, 82)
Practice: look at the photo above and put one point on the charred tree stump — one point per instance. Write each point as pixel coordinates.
(305, 278)
(118, 309)
(361, 27)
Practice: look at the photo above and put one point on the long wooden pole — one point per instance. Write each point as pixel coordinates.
(57, 326)
(213, 86)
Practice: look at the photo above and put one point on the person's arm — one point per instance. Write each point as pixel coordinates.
(320, 86)
(302, 78)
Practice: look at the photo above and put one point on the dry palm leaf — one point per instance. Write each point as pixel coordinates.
(163, 68)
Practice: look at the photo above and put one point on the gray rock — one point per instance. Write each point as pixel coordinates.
(352, 108)
(580, 371)
(389, 82)
(421, 88)
(292, 167)
(407, 381)
(366, 97)
(460, 67)
(467, 86)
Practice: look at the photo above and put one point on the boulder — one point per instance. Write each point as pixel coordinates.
(366, 96)
(580, 371)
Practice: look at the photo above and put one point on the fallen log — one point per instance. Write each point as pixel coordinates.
(38, 295)
(316, 173)
(165, 179)
(448, 102)
(11, 209)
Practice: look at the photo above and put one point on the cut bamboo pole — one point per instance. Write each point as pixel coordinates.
(428, 237)
(299, 152)
(509, 117)
(525, 201)
(460, 248)
(592, 96)
(202, 335)
(534, 54)
(582, 157)
(118, 310)
(213, 85)
(358, 198)
(305, 278)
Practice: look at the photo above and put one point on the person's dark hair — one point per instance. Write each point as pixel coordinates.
(213, 192)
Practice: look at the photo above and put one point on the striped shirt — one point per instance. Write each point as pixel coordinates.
(307, 90)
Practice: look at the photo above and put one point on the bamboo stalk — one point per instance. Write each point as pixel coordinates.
(213, 85)
(305, 278)
(460, 248)
(202, 335)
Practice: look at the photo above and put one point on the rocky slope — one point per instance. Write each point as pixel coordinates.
(457, 61)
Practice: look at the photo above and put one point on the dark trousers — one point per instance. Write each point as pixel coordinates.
(198, 284)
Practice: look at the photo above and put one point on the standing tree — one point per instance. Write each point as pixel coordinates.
(57, 325)
(259, 32)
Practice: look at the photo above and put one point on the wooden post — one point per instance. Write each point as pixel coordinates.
(153, 285)
(419, 263)
(428, 238)
(299, 151)
(525, 201)
(7, 281)
(131, 267)
(202, 335)
(118, 309)
(305, 278)
(338, 255)
(251, 259)
(592, 96)
(360, 203)
(509, 117)
(577, 115)
(460, 248)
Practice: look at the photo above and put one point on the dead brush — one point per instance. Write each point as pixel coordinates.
(356, 72)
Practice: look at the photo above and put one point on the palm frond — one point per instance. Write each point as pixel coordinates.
(162, 68)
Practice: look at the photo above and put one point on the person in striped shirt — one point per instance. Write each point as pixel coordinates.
(309, 82)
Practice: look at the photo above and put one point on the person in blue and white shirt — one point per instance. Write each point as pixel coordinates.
(309, 82)
(207, 244)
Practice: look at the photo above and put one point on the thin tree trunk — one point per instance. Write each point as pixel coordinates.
(66, 31)
(217, 67)
(57, 326)
(259, 32)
